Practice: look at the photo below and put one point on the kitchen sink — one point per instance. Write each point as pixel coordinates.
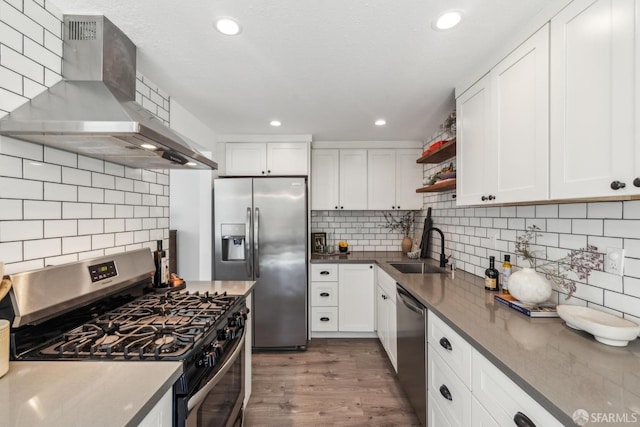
(416, 268)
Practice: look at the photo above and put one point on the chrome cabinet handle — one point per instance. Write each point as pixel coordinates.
(616, 185)
(445, 344)
(522, 420)
(444, 391)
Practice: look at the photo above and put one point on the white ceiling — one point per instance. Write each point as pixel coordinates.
(323, 67)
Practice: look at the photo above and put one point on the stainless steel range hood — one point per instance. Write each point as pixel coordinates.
(93, 110)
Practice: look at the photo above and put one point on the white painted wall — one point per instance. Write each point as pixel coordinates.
(191, 200)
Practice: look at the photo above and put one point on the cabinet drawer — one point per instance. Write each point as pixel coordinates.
(503, 398)
(324, 294)
(454, 350)
(387, 284)
(479, 416)
(324, 272)
(324, 319)
(436, 416)
(451, 395)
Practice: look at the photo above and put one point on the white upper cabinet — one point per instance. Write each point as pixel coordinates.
(503, 129)
(353, 179)
(473, 109)
(264, 159)
(393, 176)
(325, 179)
(593, 57)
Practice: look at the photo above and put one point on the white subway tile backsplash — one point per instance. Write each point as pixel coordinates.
(587, 226)
(133, 198)
(53, 43)
(114, 225)
(41, 171)
(62, 259)
(10, 209)
(625, 303)
(76, 244)
(11, 252)
(133, 224)
(113, 169)
(141, 187)
(33, 249)
(632, 267)
(90, 195)
(43, 17)
(631, 209)
(573, 210)
(103, 181)
(122, 239)
(131, 173)
(149, 176)
(76, 210)
(141, 236)
(14, 17)
(157, 234)
(34, 209)
(610, 210)
(525, 211)
(14, 188)
(149, 223)
(622, 228)
(61, 192)
(149, 200)
(571, 241)
(11, 81)
(546, 211)
(163, 179)
(38, 53)
(11, 38)
(19, 63)
(102, 241)
(62, 158)
(18, 267)
(15, 147)
(114, 197)
(90, 254)
(123, 211)
(156, 212)
(156, 189)
(90, 164)
(60, 228)
(75, 176)
(163, 201)
(10, 101)
(51, 77)
(10, 166)
(103, 211)
(90, 226)
(124, 184)
(114, 250)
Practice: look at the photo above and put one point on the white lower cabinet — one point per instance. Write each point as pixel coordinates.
(452, 396)
(436, 417)
(504, 399)
(387, 324)
(480, 417)
(161, 415)
(324, 319)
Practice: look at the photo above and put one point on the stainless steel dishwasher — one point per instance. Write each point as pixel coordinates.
(412, 351)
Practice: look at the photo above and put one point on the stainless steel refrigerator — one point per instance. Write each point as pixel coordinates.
(260, 233)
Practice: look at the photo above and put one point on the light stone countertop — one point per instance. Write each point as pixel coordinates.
(563, 369)
(90, 392)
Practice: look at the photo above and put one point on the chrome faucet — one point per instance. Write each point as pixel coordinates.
(443, 258)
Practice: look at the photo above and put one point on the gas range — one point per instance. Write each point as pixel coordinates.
(69, 312)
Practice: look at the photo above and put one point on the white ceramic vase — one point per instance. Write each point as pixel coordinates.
(529, 286)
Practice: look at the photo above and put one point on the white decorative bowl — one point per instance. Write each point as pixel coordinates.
(606, 328)
(414, 254)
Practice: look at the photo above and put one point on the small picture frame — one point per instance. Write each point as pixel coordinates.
(319, 242)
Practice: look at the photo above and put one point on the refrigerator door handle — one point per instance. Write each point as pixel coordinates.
(247, 240)
(256, 242)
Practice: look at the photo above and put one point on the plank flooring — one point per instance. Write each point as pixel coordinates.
(336, 382)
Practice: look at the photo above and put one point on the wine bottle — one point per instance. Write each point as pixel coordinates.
(159, 257)
(491, 275)
(506, 272)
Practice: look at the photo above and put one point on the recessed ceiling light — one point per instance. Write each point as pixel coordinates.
(380, 122)
(227, 26)
(149, 146)
(447, 20)
(190, 164)
(275, 123)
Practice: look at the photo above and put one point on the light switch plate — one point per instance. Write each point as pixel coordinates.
(614, 261)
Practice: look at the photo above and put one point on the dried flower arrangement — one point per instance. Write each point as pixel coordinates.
(579, 261)
(403, 223)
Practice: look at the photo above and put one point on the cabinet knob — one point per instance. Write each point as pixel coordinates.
(616, 185)
(445, 344)
(262, 172)
(444, 391)
(324, 272)
(341, 207)
(384, 296)
(636, 182)
(324, 294)
(522, 420)
(371, 266)
(393, 207)
(324, 319)
(335, 207)
(268, 171)
(483, 198)
(398, 207)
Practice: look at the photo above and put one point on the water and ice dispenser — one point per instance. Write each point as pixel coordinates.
(233, 242)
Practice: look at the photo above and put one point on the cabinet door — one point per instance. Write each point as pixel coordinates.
(408, 178)
(382, 329)
(392, 333)
(381, 185)
(480, 417)
(474, 137)
(325, 178)
(353, 179)
(520, 87)
(286, 158)
(592, 102)
(356, 296)
(246, 158)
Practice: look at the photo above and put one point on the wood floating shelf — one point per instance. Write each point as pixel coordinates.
(444, 152)
(446, 185)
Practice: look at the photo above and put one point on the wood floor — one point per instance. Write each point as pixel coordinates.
(336, 382)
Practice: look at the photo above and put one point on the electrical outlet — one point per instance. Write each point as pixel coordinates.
(614, 261)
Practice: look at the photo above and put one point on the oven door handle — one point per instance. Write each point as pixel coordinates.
(201, 395)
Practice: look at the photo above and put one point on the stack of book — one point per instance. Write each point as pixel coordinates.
(538, 310)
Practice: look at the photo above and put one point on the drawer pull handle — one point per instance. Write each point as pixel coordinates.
(616, 185)
(324, 272)
(522, 420)
(445, 344)
(324, 294)
(324, 319)
(444, 391)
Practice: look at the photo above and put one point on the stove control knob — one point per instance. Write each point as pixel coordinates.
(209, 360)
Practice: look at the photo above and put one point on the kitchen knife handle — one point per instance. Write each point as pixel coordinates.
(247, 244)
(256, 242)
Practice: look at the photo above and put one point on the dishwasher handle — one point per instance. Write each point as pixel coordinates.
(409, 301)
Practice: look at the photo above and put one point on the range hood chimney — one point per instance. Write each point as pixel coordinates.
(93, 110)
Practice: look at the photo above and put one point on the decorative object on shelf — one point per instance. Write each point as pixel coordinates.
(447, 172)
(403, 223)
(606, 328)
(449, 125)
(580, 262)
(319, 242)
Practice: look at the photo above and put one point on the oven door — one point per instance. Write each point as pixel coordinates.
(219, 401)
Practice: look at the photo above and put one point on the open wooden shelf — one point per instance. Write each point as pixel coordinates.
(449, 184)
(446, 151)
